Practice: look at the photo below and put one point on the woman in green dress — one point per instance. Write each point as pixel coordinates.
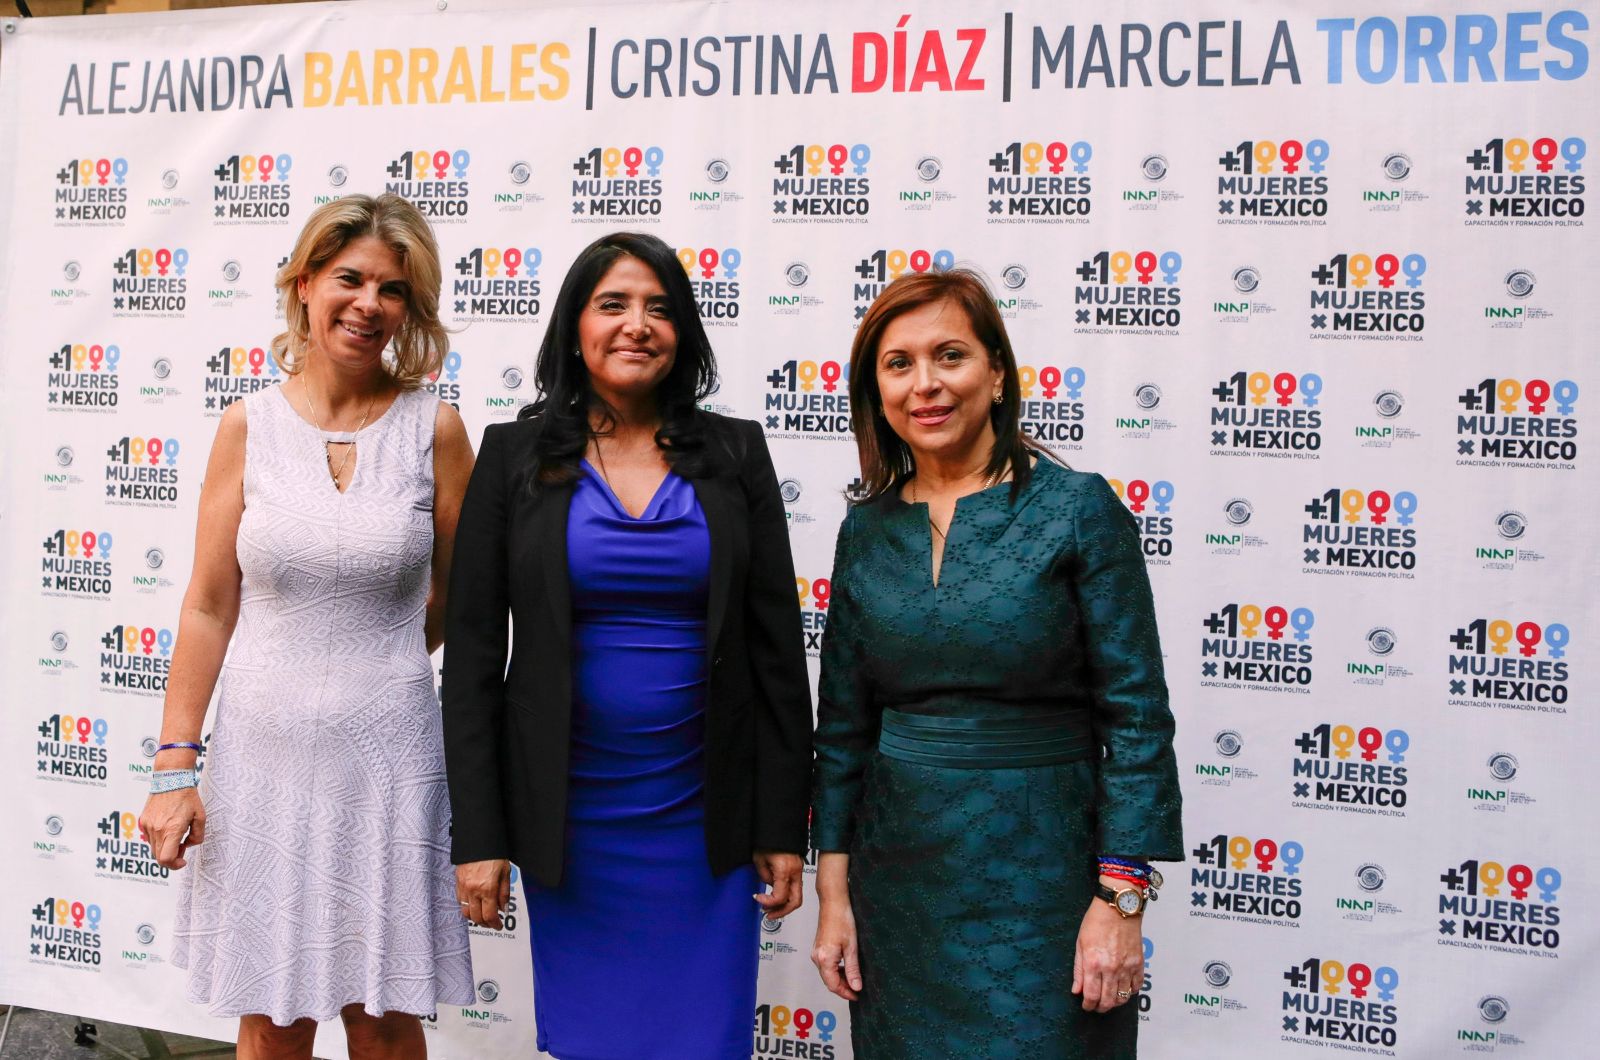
(994, 748)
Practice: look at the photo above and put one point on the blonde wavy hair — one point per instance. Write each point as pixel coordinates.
(421, 343)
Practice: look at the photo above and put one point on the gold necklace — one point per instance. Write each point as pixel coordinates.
(349, 447)
(993, 480)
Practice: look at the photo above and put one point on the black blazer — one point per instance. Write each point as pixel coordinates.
(507, 729)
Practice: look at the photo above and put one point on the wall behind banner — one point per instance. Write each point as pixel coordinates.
(1314, 290)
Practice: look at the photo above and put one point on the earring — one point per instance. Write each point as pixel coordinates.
(999, 398)
(577, 352)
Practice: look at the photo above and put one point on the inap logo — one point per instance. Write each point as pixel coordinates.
(808, 399)
(1490, 1031)
(1254, 881)
(1379, 665)
(143, 472)
(883, 266)
(515, 194)
(1244, 299)
(147, 579)
(54, 661)
(1226, 765)
(1144, 418)
(1034, 181)
(1510, 303)
(507, 399)
(1351, 1002)
(1276, 415)
(1151, 505)
(1262, 648)
(1209, 998)
(446, 381)
(1121, 292)
(814, 596)
(65, 931)
(1509, 549)
(136, 659)
(150, 282)
(1361, 532)
(1365, 901)
(795, 1030)
(436, 182)
(52, 845)
(77, 563)
(1501, 905)
(1526, 181)
(790, 297)
(497, 284)
(1510, 665)
(618, 182)
(921, 196)
(169, 200)
(59, 476)
(716, 192)
(1347, 303)
(1281, 182)
(822, 183)
(482, 1013)
(234, 372)
(72, 748)
(1227, 535)
(252, 189)
(122, 850)
(141, 953)
(1385, 422)
(1512, 422)
(91, 191)
(1494, 791)
(714, 277)
(1391, 194)
(1151, 191)
(1338, 768)
(83, 377)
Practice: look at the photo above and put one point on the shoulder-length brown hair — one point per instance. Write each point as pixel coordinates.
(886, 460)
(422, 341)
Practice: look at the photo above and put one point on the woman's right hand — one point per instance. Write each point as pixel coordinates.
(483, 888)
(835, 953)
(172, 822)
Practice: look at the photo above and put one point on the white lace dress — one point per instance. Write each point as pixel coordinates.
(325, 878)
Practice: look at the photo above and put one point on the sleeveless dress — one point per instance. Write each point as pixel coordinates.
(641, 952)
(979, 743)
(325, 877)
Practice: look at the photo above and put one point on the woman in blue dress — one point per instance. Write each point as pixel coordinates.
(639, 548)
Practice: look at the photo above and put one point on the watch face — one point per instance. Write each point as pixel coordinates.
(1129, 902)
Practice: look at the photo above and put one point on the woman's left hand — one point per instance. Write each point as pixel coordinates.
(1109, 959)
(782, 871)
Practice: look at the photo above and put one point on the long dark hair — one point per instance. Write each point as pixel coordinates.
(886, 460)
(566, 394)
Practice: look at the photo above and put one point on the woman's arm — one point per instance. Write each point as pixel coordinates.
(847, 723)
(452, 466)
(847, 728)
(1138, 803)
(175, 820)
(477, 615)
(778, 662)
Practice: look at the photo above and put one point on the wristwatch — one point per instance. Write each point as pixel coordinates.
(1127, 901)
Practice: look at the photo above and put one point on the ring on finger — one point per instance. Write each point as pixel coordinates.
(1123, 995)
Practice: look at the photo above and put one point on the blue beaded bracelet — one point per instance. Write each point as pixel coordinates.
(163, 780)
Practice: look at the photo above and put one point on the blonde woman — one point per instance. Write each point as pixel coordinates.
(319, 880)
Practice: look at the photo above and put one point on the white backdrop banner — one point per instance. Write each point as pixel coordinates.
(1313, 285)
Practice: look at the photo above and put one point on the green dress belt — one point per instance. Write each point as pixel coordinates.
(987, 743)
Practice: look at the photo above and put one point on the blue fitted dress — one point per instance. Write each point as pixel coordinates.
(641, 951)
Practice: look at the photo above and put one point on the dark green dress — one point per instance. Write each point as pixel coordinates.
(978, 744)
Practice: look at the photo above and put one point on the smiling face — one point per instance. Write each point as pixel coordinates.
(937, 383)
(626, 334)
(355, 303)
